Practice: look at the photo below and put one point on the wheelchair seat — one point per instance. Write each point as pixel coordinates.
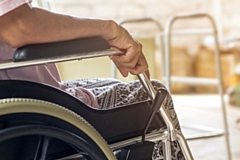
(112, 124)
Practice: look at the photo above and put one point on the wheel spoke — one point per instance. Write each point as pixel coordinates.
(41, 151)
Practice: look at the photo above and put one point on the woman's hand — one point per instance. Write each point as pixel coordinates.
(133, 61)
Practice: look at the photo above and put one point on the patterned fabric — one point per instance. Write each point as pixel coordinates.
(112, 93)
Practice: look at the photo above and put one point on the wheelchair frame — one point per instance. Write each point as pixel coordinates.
(109, 150)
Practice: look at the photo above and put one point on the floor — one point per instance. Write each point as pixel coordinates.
(205, 110)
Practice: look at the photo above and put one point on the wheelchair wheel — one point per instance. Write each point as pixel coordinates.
(34, 124)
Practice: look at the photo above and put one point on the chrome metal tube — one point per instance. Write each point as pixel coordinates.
(168, 78)
(152, 93)
(8, 64)
(184, 146)
(166, 144)
(147, 85)
(153, 137)
(168, 123)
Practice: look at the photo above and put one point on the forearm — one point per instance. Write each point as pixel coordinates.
(26, 25)
(39, 26)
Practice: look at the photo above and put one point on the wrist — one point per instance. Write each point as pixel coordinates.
(110, 30)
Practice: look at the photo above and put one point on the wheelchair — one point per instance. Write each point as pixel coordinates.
(40, 122)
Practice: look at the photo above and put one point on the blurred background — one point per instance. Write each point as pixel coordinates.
(192, 50)
(193, 54)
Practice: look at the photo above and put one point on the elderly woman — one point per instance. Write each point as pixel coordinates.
(22, 24)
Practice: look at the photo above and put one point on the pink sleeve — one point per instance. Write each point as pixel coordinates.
(83, 94)
(9, 5)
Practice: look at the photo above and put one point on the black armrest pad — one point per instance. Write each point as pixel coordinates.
(58, 49)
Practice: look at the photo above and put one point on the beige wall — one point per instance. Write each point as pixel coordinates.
(225, 12)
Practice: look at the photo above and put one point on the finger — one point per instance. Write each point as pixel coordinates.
(122, 70)
(137, 70)
(131, 56)
(141, 66)
(127, 63)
